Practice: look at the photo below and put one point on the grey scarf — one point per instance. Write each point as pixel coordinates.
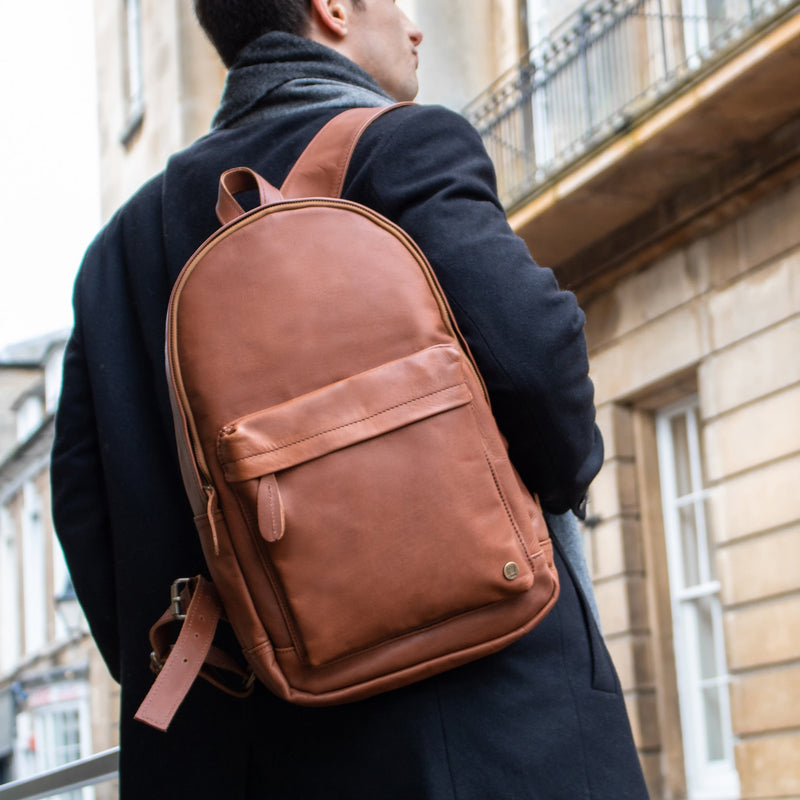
(278, 73)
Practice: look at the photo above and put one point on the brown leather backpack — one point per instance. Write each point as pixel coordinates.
(359, 516)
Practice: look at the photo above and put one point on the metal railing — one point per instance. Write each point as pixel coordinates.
(86, 772)
(604, 67)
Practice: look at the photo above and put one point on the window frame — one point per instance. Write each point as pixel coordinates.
(10, 607)
(132, 69)
(40, 747)
(706, 778)
(34, 570)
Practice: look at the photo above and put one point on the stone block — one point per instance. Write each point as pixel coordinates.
(647, 295)
(633, 659)
(761, 567)
(665, 346)
(723, 254)
(613, 491)
(766, 701)
(763, 634)
(621, 651)
(771, 226)
(769, 767)
(759, 365)
(622, 603)
(616, 425)
(759, 500)
(617, 547)
(651, 767)
(643, 714)
(755, 434)
(756, 301)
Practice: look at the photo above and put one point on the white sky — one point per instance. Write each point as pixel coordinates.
(49, 200)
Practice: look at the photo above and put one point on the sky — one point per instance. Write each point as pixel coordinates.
(49, 201)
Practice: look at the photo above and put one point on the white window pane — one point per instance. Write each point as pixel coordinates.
(688, 544)
(707, 644)
(680, 444)
(712, 709)
(133, 49)
(710, 561)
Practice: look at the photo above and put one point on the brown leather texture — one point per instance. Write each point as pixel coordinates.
(186, 657)
(361, 520)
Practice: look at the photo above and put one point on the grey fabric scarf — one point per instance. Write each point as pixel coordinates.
(278, 73)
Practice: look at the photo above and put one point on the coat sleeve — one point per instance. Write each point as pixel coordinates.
(426, 169)
(80, 505)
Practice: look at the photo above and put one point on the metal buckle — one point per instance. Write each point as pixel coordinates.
(175, 597)
(156, 664)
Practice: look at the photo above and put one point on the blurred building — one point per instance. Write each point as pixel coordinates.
(649, 152)
(159, 82)
(57, 701)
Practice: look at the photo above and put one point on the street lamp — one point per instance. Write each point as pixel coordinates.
(69, 610)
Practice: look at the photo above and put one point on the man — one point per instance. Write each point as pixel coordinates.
(542, 719)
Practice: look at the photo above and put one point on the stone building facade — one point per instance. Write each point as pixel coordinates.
(57, 701)
(647, 151)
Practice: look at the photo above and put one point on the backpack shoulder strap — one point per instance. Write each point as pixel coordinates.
(321, 169)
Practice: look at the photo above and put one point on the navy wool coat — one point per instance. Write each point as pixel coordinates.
(543, 719)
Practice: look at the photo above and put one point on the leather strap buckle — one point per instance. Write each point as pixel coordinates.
(177, 598)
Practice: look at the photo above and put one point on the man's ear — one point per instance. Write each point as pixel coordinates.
(329, 19)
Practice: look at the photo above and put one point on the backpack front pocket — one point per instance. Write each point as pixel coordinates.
(342, 476)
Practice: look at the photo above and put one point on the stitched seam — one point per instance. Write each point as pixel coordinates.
(347, 157)
(284, 445)
(345, 162)
(272, 508)
(410, 632)
(502, 497)
(508, 512)
(159, 689)
(272, 577)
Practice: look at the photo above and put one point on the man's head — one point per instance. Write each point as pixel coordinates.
(373, 33)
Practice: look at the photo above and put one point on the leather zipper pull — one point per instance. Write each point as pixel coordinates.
(271, 517)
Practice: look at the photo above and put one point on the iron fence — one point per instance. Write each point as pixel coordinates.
(604, 67)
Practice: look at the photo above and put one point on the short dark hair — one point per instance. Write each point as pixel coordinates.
(232, 24)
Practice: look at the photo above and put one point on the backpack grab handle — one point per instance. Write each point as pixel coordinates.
(240, 179)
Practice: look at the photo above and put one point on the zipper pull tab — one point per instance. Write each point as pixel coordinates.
(211, 510)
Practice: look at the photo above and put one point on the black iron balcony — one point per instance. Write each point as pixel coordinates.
(600, 73)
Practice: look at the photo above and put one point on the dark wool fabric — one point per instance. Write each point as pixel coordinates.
(542, 720)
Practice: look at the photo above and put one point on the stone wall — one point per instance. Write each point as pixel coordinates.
(182, 81)
(719, 317)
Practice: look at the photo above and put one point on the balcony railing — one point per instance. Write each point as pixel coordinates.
(602, 69)
(87, 772)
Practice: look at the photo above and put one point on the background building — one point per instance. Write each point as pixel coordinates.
(57, 702)
(649, 152)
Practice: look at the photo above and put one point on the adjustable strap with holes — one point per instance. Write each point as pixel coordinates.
(178, 665)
